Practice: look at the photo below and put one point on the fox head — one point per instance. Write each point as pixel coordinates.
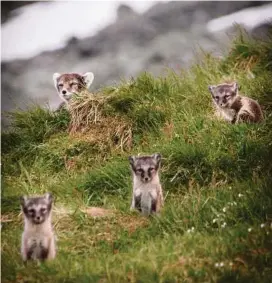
(69, 84)
(224, 94)
(36, 209)
(145, 168)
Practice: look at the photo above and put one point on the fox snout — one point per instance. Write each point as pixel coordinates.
(66, 94)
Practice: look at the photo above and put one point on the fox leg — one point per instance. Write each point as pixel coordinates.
(51, 252)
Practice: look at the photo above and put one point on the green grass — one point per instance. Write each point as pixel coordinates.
(216, 179)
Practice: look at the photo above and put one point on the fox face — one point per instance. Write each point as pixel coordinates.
(145, 168)
(37, 209)
(224, 94)
(69, 84)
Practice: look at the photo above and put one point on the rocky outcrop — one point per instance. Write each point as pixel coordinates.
(8, 7)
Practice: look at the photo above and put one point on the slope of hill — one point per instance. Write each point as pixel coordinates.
(216, 224)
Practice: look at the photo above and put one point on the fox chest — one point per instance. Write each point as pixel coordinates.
(227, 114)
(145, 190)
(37, 241)
(37, 248)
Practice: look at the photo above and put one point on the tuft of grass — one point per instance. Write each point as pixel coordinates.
(249, 53)
(85, 109)
(37, 124)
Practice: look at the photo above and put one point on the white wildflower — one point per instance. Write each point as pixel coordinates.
(214, 220)
(262, 225)
(240, 195)
(224, 225)
(234, 203)
(230, 264)
(267, 233)
(224, 209)
(216, 264)
(221, 264)
(249, 230)
(193, 228)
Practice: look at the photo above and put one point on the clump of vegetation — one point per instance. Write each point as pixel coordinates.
(85, 110)
(216, 224)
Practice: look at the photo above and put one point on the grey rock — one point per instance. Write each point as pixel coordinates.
(262, 31)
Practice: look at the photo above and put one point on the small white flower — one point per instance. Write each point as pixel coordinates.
(193, 228)
(230, 188)
(214, 220)
(216, 264)
(230, 264)
(262, 225)
(234, 203)
(224, 209)
(267, 233)
(189, 231)
(240, 195)
(221, 264)
(224, 225)
(249, 230)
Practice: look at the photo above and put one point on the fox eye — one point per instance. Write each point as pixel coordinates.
(73, 84)
(152, 169)
(31, 211)
(139, 170)
(60, 85)
(216, 97)
(43, 210)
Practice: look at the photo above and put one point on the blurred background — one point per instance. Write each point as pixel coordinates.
(114, 40)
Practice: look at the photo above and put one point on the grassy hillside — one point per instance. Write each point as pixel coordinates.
(216, 224)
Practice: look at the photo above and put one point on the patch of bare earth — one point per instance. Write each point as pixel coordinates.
(98, 211)
(132, 222)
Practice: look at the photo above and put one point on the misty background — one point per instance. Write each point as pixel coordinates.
(112, 39)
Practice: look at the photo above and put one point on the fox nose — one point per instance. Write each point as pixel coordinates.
(38, 218)
(146, 179)
(64, 92)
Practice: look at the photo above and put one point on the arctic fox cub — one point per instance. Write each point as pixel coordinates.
(233, 107)
(147, 195)
(38, 241)
(69, 84)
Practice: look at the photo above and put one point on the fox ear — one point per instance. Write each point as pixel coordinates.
(157, 157)
(49, 197)
(55, 79)
(23, 200)
(235, 87)
(131, 160)
(211, 88)
(88, 79)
